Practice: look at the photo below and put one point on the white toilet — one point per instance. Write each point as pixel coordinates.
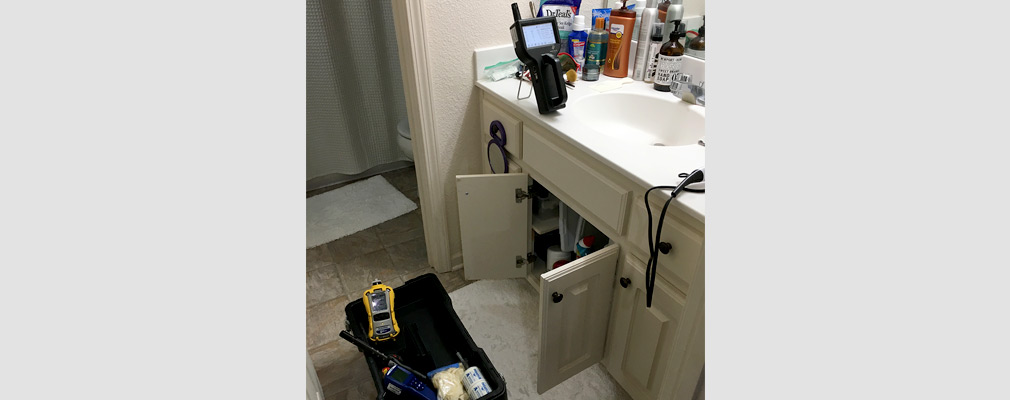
(403, 129)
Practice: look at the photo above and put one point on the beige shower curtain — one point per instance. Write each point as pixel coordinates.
(354, 93)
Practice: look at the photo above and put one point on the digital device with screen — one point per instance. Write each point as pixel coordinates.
(381, 319)
(537, 43)
(399, 380)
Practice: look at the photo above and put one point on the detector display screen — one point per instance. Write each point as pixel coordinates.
(539, 35)
(378, 301)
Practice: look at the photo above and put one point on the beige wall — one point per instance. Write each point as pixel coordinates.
(454, 28)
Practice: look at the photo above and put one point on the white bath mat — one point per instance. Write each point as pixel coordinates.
(352, 208)
(502, 316)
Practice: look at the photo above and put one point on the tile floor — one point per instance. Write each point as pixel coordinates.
(339, 271)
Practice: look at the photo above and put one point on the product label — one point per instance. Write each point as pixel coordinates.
(666, 68)
(617, 29)
(579, 53)
(565, 14)
(594, 54)
(651, 62)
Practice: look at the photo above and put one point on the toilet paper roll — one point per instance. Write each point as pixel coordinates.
(554, 254)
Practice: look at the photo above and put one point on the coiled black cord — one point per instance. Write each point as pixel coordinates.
(650, 267)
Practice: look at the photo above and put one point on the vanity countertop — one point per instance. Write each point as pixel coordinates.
(647, 166)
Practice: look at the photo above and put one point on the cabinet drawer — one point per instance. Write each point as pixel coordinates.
(679, 264)
(513, 128)
(605, 199)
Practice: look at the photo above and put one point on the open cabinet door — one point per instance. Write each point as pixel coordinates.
(574, 313)
(494, 225)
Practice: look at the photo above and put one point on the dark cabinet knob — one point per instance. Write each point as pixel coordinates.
(665, 247)
(557, 297)
(625, 282)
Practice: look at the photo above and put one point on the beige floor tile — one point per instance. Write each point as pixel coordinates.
(355, 244)
(322, 284)
(357, 274)
(404, 179)
(401, 229)
(335, 360)
(409, 256)
(324, 322)
(317, 257)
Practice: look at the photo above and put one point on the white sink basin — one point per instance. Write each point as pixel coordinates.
(641, 119)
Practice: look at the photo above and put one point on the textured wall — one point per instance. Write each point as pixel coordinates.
(454, 28)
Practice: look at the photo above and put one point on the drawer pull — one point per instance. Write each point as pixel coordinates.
(557, 297)
(625, 282)
(665, 247)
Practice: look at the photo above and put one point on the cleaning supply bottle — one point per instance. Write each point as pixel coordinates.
(655, 42)
(622, 21)
(671, 57)
(577, 42)
(696, 48)
(583, 247)
(644, 39)
(595, 51)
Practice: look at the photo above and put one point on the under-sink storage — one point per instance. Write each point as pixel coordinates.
(496, 229)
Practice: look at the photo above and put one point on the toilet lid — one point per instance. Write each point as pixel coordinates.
(403, 128)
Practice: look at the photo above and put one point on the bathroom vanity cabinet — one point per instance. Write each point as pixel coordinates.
(591, 309)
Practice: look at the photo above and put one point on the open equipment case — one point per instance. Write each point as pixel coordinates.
(431, 335)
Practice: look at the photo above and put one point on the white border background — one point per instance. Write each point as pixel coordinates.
(152, 213)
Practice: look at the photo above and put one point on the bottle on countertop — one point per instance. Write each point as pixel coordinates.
(577, 42)
(674, 13)
(622, 22)
(644, 37)
(655, 42)
(595, 48)
(671, 57)
(661, 10)
(696, 48)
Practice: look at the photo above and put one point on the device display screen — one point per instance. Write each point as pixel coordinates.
(398, 375)
(380, 316)
(539, 34)
(378, 301)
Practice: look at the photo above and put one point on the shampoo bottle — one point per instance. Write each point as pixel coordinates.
(671, 57)
(644, 37)
(622, 22)
(577, 42)
(595, 52)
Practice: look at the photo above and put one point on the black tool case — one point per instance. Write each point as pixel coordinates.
(430, 335)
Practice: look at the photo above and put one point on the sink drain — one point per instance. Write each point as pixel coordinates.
(658, 144)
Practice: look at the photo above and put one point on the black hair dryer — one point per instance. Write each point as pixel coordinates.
(537, 42)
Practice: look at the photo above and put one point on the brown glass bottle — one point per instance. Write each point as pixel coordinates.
(671, 56)
(696, 48)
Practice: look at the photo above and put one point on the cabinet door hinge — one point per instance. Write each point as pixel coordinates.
(520, 195)
(520, 261)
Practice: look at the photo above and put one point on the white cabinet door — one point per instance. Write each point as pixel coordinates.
(494, 225)
(574, 314)
(642, 339)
